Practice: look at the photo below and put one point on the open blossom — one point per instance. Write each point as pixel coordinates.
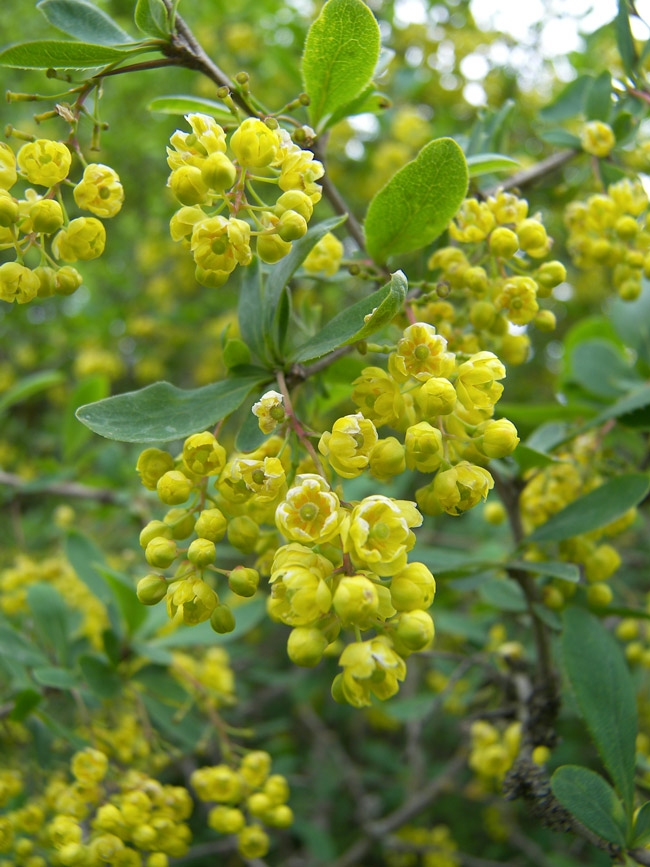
(378, 534)
(370, 667)
(269, 411)
(192, 148)
(421, 353)
(476, 384)
(349, 444)
(299, 594)
(310, 512)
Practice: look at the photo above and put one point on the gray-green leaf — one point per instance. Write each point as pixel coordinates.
(84, 21)
(357, 322)
(341, 52)
(59, 54)
(591, 800)
(161, 412)
(418, 202)
(595, 509)
(603, 688)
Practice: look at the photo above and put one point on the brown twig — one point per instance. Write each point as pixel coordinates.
(59, 489)
(528, 177)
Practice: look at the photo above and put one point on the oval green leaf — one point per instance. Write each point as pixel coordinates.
(484, 164)
(357, 322)
(182, 105)
(84, 21)
(418, 202)
(605, 694)
(161, 412)
(341, 52)
(59, 54)
(591, 800)
(595, 509)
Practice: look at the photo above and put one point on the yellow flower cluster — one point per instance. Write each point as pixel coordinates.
(492, 751)
(222, 209)
(246, 797)
(550, 489)
(434, 847)
(611, 232)
(496, 281)
(28, 224)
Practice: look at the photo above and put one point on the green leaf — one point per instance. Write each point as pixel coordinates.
(15, 646)
(503, 594)
(569, 102)
(84, 21)
(247, 616)
(58, 678)
(182, 105)
(351, 324)
(601, 369)
(161, 412)
(101, 678)
(51, 618)
(179, 727)
(150, 17)
(561, 138)
(341, 52)
(24, 703)
(552, 568)
(82, 554)
(278, 276)
(369, 100)
(411, 709)
(605, 694)
(642, 825)
(418, 202)
(624, 40)
(133, 611)
(591, 800)
(236, 353)
(595, 509)
(484, 164)
(528, 458)
(73, 434)
(631, 320)
(598, 99)
(28, 386)
(250, 312)
(55, 54)
(249, 436)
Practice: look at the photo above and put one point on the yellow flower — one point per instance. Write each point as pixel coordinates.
(435, 397)
(44, 162)
(597, 138)
(299, 593)
(254, 144)
(84, 238)
(508, 208)
(370, 667)
(473, 222)
(8, 173)
(325, 257)
(190, 601)
(310, 512)
(269, 411)
(421, 353)
(99, 191)
(356, 600)
(378, 397)
(152, 465)
(219, 244)
(518, 296)
(264, 478)
(300, 171)
(387, 459)
(424, 448)
(17, 283)
(414, 587)
(182, 223)
(462, 487)
(349, 444)
(203, 455)
(378, 534)
(476, 384)
(191, 149)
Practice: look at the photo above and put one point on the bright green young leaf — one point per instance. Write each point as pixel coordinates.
(552, 568)
(278, 276)
(182, 105)
(236, 353)
(418, 202)
(150, 17)
(352, 324)
(369, 100)
(51, 618)
(595, 509)
(29, 385)
(591, 800)
(624, 39)
(605, 694)
(55, 54)
(484, 164)
(341, 52)
(642, 825)
(84, 21)
(100, 677)
(161, 412)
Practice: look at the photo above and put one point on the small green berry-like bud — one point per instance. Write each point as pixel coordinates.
(152, 465)
(152, 530)
(211, 524)
(271, 248)
(548, 276)
(244, 581)
(173, 488)
(415, 630)
(291, 226)
(68, 280)
(226, 820)
(218, 172)
(201, 552)
(8, 210)
(279, 817)
(306, 646)
(503, 243)
(222, 619)
(243, 533)
(545, 320)
(47, 277)
(160, 552)
(180, 522)
(599, 595)
(46, 216)
(500, 438)
(242, 78)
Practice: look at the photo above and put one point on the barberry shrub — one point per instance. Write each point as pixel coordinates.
(325, 438)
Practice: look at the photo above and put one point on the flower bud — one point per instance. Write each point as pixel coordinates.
(258, 804)
(152, 530)
(17, 283)
(211, 524)
(482, 314)
(181, 523)
(532, 235)
(160, 552)
(47, 278)
(46, 216)
(218, 172)
(252, 842)
(436, 396)
(387, 459)
(477, 280)
(222, 620)
(203, 455)
(243, 534)
(151, 590)
(291, 226)
(201, 552)
(503, 243)
(67, 280)
(499, 438)
(545, 321)
(271, 248)
(306, 646)
(356, 600)
(173, 488)
(599, 595)
(187, 184)
(494, 513)
(295, 200)
(152, 465)
(254, 144)
(415, 630)
(9, 212)
(424, 449)
(414, 587)
(244, 581)
(597, 138)
(548, 276)
(279, 817)
(226, 820)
